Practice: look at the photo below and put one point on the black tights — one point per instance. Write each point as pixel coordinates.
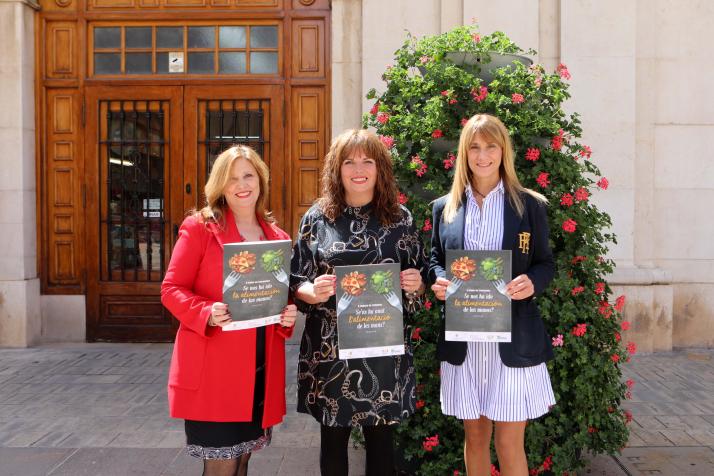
(333, 450)
(226, 467)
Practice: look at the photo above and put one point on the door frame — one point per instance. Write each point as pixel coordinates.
(277, 162)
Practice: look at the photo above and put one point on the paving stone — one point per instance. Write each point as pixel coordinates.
(116, 462)
(679, 438)
(683, 461)
(603, 465)
(702, 436)
(31, 461)
(652, 438)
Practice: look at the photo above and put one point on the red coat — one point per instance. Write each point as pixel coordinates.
(212, 372)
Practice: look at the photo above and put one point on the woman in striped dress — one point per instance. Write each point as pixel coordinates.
(484, 383)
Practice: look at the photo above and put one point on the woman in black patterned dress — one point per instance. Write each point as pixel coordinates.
(357, 220)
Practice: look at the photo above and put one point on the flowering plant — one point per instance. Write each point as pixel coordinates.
(427, 100)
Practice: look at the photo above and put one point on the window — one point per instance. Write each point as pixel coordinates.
(236, 49)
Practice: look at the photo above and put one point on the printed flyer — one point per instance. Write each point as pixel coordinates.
(370, 322)
(478, 309)
(255, 282)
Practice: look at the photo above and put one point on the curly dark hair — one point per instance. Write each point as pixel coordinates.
(385, 202)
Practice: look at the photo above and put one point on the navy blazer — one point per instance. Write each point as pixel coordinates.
(530, 344)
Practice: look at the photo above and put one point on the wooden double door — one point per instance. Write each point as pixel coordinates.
(148, 153)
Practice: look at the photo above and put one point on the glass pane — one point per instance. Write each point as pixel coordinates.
(138, 63)
(169, 37)
(231, 37)
(231, 63)
(199, 63)
(162, 63)
(107, 37)
(135, 186)
(201, 37)
(138, 37)
(263, 63)
(263, 36)
(107, 63)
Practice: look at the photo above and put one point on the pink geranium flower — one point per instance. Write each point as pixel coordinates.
(558, 341)
(480, 94)
(449, 161)
(517, 98)
(562, 70)
(388, 141)
(586, 152)
(382, 117)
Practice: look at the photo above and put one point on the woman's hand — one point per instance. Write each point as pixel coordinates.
(520, 288)
(288, 316)
(439, 288)
(410, 280)
(318, 291)
(219, 315)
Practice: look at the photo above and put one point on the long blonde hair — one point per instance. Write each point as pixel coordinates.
(492, 129)
(219, 177)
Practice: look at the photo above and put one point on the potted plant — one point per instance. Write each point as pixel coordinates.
(426, 100)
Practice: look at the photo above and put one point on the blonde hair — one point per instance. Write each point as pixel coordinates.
(492, 129)
(219, 177)
(385, 203)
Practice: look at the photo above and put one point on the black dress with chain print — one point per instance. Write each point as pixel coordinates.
(372, 391)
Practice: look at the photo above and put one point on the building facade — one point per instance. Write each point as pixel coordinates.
(112, 111)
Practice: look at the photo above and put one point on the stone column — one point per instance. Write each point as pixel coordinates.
(346, 65)
(20, 323)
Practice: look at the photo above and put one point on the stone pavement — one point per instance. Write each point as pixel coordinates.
(100, 409)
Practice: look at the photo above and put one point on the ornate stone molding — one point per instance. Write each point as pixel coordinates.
(63, 3)
(307, 3)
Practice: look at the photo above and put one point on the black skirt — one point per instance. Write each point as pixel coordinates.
(228, 440)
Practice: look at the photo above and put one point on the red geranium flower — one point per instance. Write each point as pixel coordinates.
(430, 442)
(428, 305)
(577, 290)
(480, 94)
(586, 152)
(463, 122)
(579, 330)
(449, 161)
(375, 109)
(582, 194)
(437, 133)
(570, 225)
(427, 225)
(416, 333)
(403, 198)
(382, 117)
(517, 98)
(542, 179)
(532, 154)
(620, 303)
(420, 404)
(578, 259)
(615, 358)
(630, 383)
(603, 183)
(631, 348)
(556, 142)
(599, 288)
(618, 337)
(625, 325)
(566, 200)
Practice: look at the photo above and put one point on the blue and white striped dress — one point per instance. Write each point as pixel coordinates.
(483, 385)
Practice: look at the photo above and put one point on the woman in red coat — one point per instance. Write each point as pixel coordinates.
(228, 386)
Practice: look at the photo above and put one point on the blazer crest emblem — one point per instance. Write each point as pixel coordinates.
(524, 241)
